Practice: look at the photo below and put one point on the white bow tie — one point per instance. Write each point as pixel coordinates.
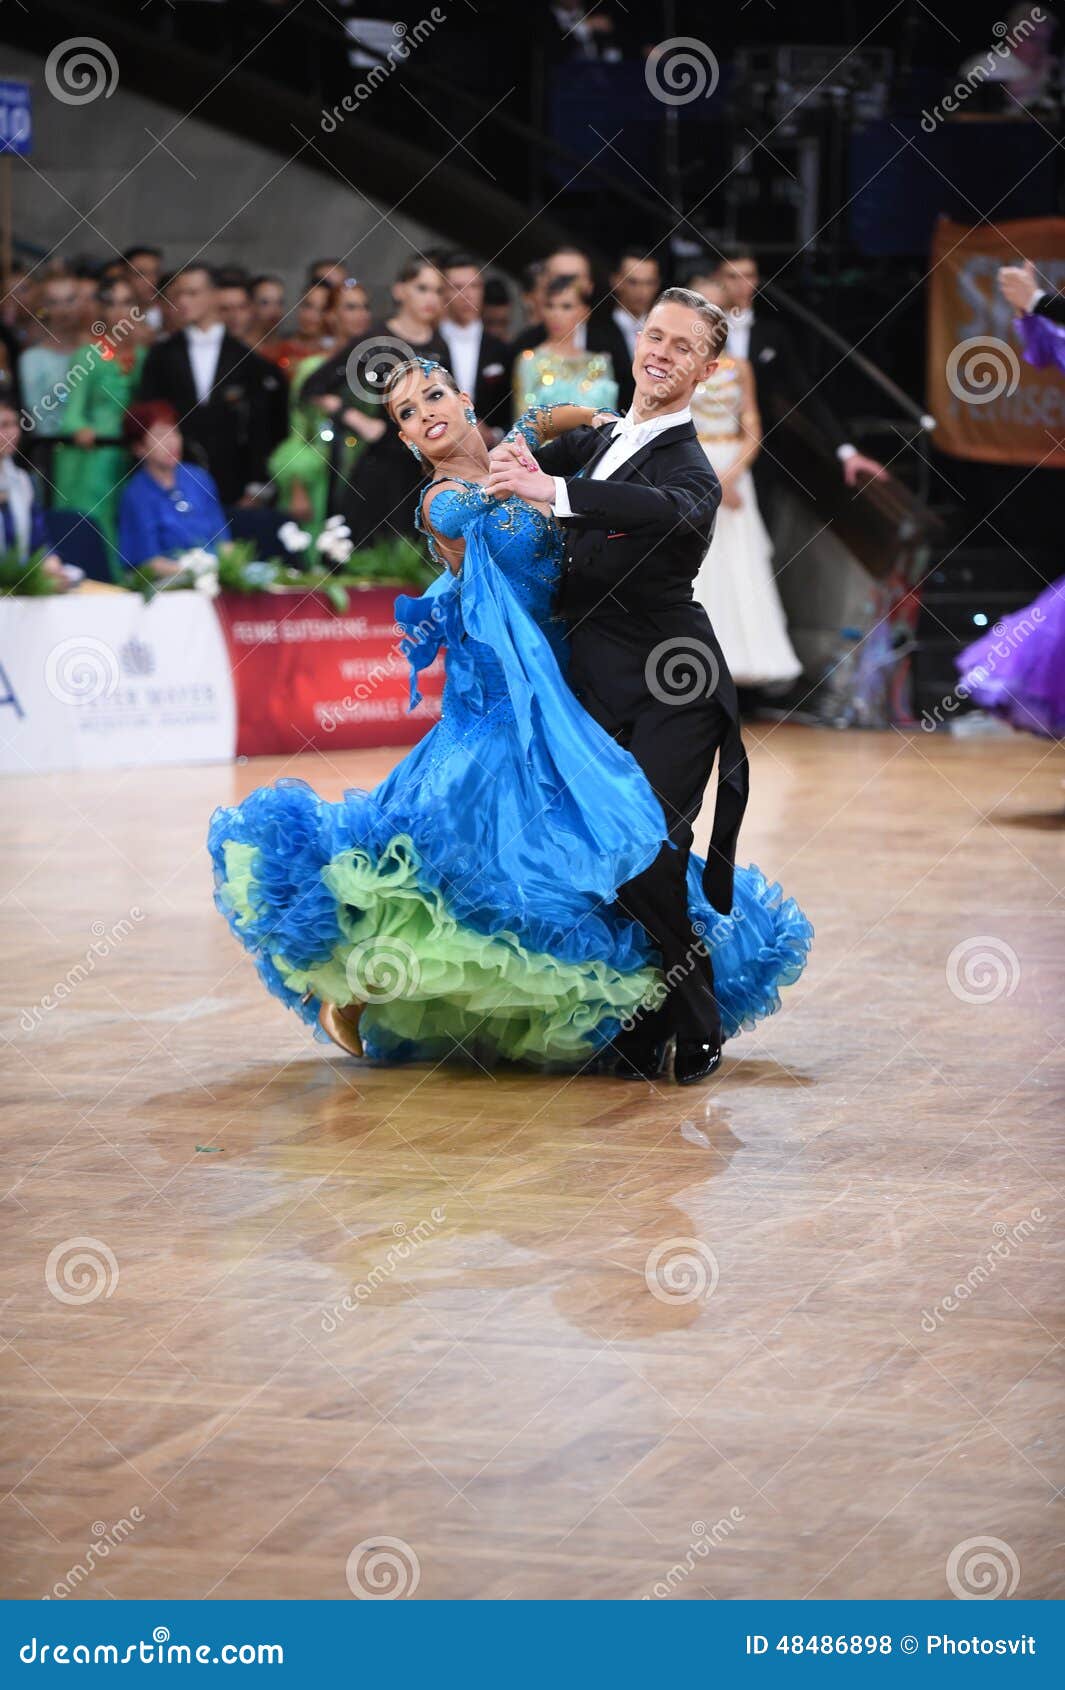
(635, 434)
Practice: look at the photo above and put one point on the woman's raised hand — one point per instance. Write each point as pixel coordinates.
(510, 452)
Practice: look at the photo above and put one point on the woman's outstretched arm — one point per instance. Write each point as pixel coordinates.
(543, 423)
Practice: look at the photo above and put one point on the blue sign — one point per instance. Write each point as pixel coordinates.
(16, 119)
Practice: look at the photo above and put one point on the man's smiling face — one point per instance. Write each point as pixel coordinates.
(673, 355)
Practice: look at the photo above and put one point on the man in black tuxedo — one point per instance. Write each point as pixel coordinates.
(233, 405)
(638, 500)
(1019, 287)
(781, 381)
(480, 363)
(600, 332)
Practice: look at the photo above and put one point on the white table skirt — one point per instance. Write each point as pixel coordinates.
(104, 680)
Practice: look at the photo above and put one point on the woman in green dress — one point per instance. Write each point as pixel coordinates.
(300, 464)
(561, 371)
(103, 380)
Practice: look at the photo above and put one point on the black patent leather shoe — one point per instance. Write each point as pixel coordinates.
(640, 1059)
(695, 1060)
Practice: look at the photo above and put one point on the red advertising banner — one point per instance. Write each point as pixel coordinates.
(988, 403)
(309, 676)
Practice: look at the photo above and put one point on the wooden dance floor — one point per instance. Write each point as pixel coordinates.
(794, 1334)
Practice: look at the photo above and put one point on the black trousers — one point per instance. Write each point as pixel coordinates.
(675, 745)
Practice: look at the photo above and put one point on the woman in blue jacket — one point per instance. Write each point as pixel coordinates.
(168, 506)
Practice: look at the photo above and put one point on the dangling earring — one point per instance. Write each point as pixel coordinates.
(471, 414)
(411, 447)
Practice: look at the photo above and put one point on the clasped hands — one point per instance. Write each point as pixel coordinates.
(512, 470)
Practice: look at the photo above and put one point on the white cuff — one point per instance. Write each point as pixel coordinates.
(561, 505)
(1040, 293)
(845, 452)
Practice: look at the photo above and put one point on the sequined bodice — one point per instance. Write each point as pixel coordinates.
(526, 545)
(527, 548)
(717, 402)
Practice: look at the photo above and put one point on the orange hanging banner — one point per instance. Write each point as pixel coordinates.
(988, 402)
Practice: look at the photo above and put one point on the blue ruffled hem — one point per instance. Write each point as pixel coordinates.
(286, 836)
(756, 951)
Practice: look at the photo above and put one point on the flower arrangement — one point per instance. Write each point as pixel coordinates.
(27, 577)
(333, 546)
(196, 568)
(333, 568)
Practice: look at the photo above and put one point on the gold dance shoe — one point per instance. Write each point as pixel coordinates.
(341, 1022)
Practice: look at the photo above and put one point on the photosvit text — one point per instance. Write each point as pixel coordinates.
(884, 1644)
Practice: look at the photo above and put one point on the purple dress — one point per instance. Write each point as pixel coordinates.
(1042, 342)
(1018, 669)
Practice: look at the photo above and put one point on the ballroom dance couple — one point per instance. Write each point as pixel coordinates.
(522, 886)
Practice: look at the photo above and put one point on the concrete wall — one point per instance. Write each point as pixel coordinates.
(98, 181)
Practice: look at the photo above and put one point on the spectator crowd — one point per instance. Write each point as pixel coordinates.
(162, 409)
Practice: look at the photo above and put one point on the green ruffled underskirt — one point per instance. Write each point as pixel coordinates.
(429, 982)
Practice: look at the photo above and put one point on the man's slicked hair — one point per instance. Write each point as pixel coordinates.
(713, 318)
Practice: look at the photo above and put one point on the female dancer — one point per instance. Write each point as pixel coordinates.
(735, 585)
(1017, 670)
(466, 905)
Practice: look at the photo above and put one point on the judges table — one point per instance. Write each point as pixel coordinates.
(101, 679)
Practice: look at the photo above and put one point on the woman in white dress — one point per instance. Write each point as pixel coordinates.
(735, 585)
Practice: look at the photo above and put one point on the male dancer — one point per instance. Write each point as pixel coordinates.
(638, 501)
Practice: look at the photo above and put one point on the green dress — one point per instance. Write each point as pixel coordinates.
(303, 455)
(91, 479)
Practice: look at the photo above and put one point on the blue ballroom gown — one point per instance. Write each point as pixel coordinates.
(468, 900)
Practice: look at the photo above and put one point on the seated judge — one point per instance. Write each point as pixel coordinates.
(167, 506)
